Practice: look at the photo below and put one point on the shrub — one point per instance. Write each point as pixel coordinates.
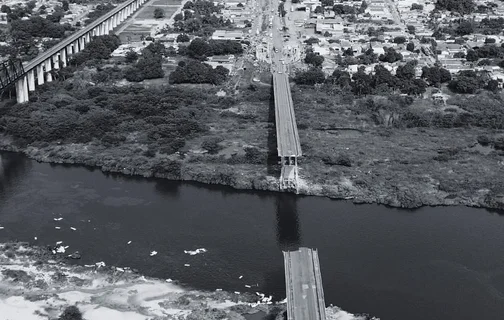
(71, 313)
(211, 144)
(483, 140)
(340, 160)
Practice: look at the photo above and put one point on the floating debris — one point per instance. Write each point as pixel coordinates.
(195, 252)
(35, 238)
(58, 219)
(247, 286)
(89, 265)
(187, 265)
(129, 242)
(169, 280)
(57, 228)
(218, 289)
(100, 264)
(59, 242)
(153, 253)
(240, 277)
(60, 249)
(73, 228)
(2, 228)
(237, 292)
(119, 269)
(76, 255)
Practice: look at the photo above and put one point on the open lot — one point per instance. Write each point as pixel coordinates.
(166, 2)
(148, 12)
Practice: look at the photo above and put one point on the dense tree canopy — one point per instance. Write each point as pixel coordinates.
(194, 71)
(460, 6)
(390, 56)
(314, 59)
(310, 77)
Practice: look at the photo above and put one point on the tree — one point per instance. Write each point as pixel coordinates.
(390, 56)
(361, 83)
(435, 75)
(411, 29)
(65, 5)
(340, 78)
(150, 64)
(314, 59)
(492, 85)
(159, 13)
(416, 6)
(466, 82)
(399, 40)
(199, 49)
(71, 313)
(465, 28)
(319, 9)
(383, 76)
(310, 77)
(459, 6)
(131, 56)
(311, 41)
(178, 17)
(369, 57)
(407, 71)
(414, 87)
(240, 5)
(183, 38)
(472, 55)
(327, 3)
(5, 9)
(410, 46)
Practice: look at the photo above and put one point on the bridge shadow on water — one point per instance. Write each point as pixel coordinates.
(288, 236)
(288, 228)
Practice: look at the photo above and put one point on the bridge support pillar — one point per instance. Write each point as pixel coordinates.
(31, 80)
(48, 69)
(55, 59)
(75, 47)
(87, 39)
(63, 55)
(40, 74)
(22, 90)
(106, 27)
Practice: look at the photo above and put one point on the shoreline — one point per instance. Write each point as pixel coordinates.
(37, 284)
(251, 177)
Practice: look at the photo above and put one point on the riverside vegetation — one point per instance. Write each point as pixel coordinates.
(386, 148)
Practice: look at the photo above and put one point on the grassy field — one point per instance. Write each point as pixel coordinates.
(166, 2)
(148, 12)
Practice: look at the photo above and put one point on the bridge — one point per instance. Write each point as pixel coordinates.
(288, 145)
(305, 295)
(38, 70)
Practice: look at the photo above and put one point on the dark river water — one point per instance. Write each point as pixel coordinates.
(432, 263)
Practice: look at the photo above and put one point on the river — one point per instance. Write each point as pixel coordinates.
(431, 263)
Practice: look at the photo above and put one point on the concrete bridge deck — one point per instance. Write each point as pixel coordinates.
(305, 294)
(288, 144)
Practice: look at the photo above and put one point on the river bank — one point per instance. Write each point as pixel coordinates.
(388, 180)
(39, 284)
(362, 150)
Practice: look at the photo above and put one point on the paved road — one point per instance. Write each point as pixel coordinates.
(287, 133)
(305, 298)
